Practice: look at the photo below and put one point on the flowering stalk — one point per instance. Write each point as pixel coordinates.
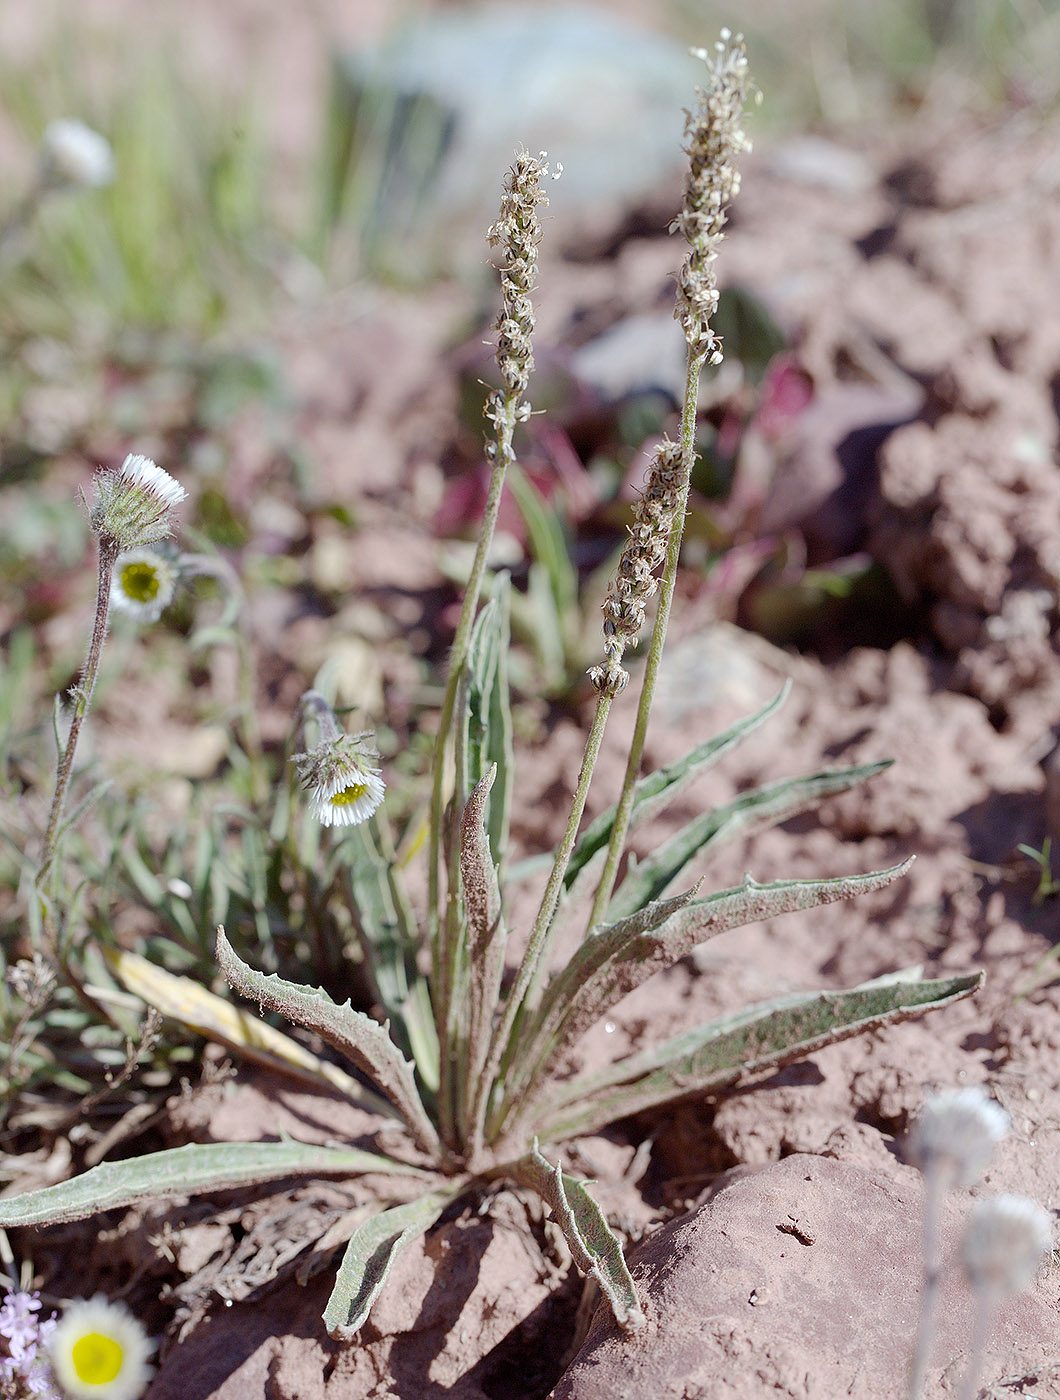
(951, 1144)
(71, 156)
(518, 230)
(131, 509)
(714, 141)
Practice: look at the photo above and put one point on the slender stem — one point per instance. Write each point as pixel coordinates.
(535, 959)
(985, 1305)
(82, 698)
(441, 932)
(934, 1191)
(624, 808)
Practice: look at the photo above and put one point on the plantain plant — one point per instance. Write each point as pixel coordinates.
(474, 1057)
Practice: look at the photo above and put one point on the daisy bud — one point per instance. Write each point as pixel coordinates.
(1006, 1240)
(955, 1135)
(100, 1350)
(133, 504)
(71, 153)
(142, 584)
(342, 778)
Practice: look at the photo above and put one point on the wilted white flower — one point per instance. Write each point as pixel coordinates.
(142, 584)
(1005, 1241)
(956, 1133)
(100, 1352)
(342, 778)
(72, 153)
(133, 504)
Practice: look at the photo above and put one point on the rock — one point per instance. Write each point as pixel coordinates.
(798, 1279)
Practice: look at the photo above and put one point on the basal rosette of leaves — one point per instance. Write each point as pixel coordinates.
(510, 1125)
(474, 1063)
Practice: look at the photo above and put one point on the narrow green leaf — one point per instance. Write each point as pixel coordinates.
(356, 1035)
(766, 1036)
(654, 793)
(593, 1247)
(615, 960)
(188, 1171)
(763, 807)
(369, 1255)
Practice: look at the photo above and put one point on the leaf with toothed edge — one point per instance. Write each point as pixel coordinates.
(721, 1052)
(369, 1256)
(188, 1171)
(364, 1041)
(654, 793)
(592, 1244)
(764, 806)
(615, 960)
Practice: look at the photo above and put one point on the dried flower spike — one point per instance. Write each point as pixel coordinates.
(143, 584)
(99, 1351)
(635, 579)
(133, 504)
(714, 139)
(71, 153)
(955, 1135)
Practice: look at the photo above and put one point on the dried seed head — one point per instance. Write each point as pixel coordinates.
(635, 579)
(133, 504)
(342, 778)
(955, 1135)
(714, 139)
(518, 231)
(1004, 1243)
(142, 584)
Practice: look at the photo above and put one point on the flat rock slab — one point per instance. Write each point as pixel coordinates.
(802, 1278)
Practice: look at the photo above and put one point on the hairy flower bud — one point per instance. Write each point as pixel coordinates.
(133, 504)
(342, 778)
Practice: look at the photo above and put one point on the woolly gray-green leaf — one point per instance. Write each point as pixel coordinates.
(489, 711)
(617, 959)
(485, 928)
(187, 1171)
(764, 806)
(356, 1035)
(593, 1247)
(371, 1251)
(766, 1036)
(654, 793)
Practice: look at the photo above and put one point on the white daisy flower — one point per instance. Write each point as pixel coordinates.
(142, 584)
(72, 153)
(342, 778)
(100, 1352)
(133, 504)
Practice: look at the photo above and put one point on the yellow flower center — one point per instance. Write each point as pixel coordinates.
(97, 1358)
(349, 795)
(139, 582)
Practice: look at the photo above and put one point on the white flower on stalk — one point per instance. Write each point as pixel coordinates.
(342, 778)
(142, 584)
(100, 1352)
(71, 153)
(956, 1134)
(1005, 1241)
(133, 504)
